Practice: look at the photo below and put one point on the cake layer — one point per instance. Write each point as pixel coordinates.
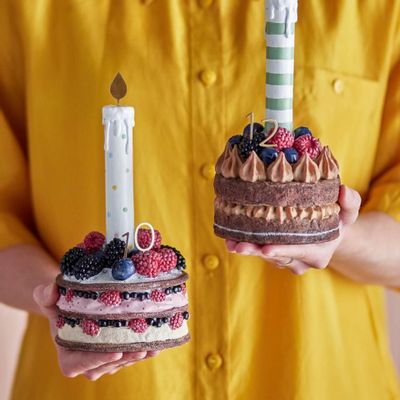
(290, 194)
(123, 347)
(260, 231)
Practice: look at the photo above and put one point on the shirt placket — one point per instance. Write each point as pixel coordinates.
(207, 128)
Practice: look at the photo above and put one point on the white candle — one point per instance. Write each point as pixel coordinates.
(280, 19)
(118, 124)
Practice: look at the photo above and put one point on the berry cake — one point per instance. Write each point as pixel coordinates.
(276, 187)
(112, 301)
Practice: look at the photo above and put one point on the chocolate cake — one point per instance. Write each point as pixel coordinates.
(276, 187)
(111, 301)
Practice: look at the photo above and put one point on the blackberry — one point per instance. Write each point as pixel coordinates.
(70, 258)
(113, 251)
(86, 267)
(247, 145)
(181, 263)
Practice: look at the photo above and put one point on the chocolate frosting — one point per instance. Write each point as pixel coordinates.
(231, 165)
(222, 158)
(327, 164)
(253, 169)
(306, 170)
(280, 170)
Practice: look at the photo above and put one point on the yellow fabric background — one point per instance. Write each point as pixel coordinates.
(319, 336)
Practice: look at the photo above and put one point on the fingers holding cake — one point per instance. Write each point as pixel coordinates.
(350, 202)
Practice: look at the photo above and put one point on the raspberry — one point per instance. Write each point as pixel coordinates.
(60, 322)
(176, 321)
(282, 138)
(307, 144)
(157, 296)
(69, 295)
(90, 327)
(181, 263)
(111, 298)
(93, 241)
(184, 289)
(147, 263)
(144, 238)
(168, 260)
(138, 325)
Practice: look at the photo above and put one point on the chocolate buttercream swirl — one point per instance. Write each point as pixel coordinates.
(280, 170)
(253, 169)
(231, 165)
(222, 158)
(327, 164)
(306, 170)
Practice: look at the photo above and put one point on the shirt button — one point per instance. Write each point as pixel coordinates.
(210, 262)
(207, 171)
(213, 361)
(208, 77)
(338, 86)
(205, 3)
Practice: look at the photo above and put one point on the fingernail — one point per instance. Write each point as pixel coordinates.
(48, 290)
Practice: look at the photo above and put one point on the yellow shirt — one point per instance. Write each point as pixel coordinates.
(194, 70)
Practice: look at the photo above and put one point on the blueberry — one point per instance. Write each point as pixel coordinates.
(94, 295)
(268, 155)
(124, 323)
(146, 295)
(125, 295)
(159, 322)
(140, 296)
(123, 269)
(117, 324)
(300, 131)
(168, 291)
(86, 295)
(235, 140)
(257, 128)
(175, 289)
(165, 320)
(62, 290)
(102, 323)
(291, 155)
(79, 293)
(151, 321)
(133, 295)
(185, 315)
(133, 253)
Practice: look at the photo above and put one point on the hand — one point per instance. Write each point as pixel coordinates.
(299, 258)
(73, 363)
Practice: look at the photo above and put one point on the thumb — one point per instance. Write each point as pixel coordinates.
(46, 297)
(350, 202)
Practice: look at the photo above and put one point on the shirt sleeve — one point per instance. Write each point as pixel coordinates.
(384, 194)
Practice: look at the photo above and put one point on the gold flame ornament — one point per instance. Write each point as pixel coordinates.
(118, 87)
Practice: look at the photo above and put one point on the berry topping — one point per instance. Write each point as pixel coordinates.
(88, 266)
(282, 138)
(113, 251)
(235, 140)
(291, 155)
(300, 131)
(90, 327)
(176, 321)
(268, 155)
(257, 128)
(168, 259)
(185, 315)
(181, 264)
(157, 296)
(111, 298)
(144, 238)
(70, 258)
(123, 269)
(69, 295)
(307, 144)
(147, 263)
(247, 146)
(60, 322)
(93, 241)
(138, 325)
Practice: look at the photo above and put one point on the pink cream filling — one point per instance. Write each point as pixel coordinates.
(90, 306)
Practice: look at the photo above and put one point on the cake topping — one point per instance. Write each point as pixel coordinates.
(283, 139)
(144, 238)
(307, 144)
(291, 155)
(268, 155)
(306, 170)
(253, 169)
(327, 165)
(280, 170)
(231, 165)
(222, 158)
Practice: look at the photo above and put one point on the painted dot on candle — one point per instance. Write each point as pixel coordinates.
(108, 214)
(114, 187)
(109, 154)
(123, 136)
(127, 170)
(125, 209)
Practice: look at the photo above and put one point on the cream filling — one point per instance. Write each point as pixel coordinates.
(280, 214)
(90, 306)
(123, 335)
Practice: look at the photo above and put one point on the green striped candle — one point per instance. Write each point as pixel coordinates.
(280, 16)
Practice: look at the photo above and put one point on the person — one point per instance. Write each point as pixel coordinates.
(194, 70)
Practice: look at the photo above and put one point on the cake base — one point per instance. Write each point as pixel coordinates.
(122, 348)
